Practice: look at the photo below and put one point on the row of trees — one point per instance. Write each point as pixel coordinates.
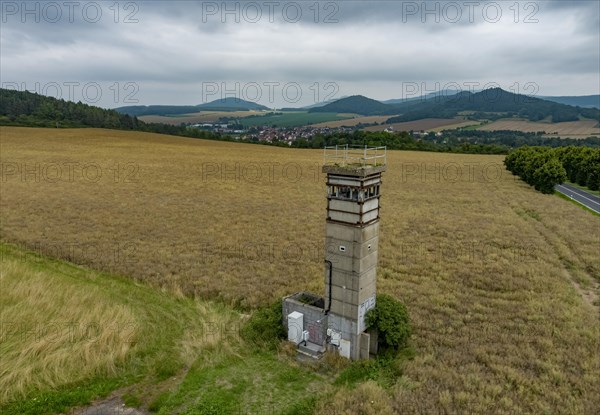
(465, 141)
(514, 139)
(582, 165)
(544, 167)
(398, 141)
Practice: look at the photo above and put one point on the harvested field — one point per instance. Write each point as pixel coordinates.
(352, 122)
(572, 129)
(199, 117)
(294, 119)
(425, 124)
(492, 272)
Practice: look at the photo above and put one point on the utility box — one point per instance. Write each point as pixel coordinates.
(345, 348)
(295, 327)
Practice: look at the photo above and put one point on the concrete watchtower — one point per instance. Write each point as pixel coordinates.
(352, 239)
(337, 320)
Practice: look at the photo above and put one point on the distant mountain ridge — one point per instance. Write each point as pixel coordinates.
(223, 104)
(584, 101)
(439, 104)
(490, 103)
(25, 108)
(431, 95)
(494, 103)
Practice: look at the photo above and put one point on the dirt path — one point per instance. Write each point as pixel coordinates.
(589, 295)
(110, 406)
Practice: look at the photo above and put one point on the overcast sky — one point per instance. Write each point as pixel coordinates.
(296, 53)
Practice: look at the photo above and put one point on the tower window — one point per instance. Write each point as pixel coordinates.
(371, 192)
(348, 193)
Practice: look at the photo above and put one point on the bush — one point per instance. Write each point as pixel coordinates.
(593, 182)
(543, 167)
(265, 328)
(390, 318)
(549, 175)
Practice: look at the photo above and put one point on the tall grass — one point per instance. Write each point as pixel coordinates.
(501, 282)
(69, 334)
(56, 331)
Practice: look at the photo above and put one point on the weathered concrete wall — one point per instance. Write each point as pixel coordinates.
(354, 267)
(352, 243)
(315, 320)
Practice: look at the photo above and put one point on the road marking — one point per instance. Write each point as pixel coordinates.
(580, 195)
(575, 200)
(579, 192)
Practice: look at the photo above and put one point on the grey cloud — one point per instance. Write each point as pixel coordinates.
(171, 48)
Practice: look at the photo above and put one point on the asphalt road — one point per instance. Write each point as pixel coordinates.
(581, 196)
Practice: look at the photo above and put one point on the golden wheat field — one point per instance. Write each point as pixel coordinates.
(501, 282)
(426, 124)
(574, 129)
(198, 117)
(353, 121)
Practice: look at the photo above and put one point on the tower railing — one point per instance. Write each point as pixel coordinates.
(352, 155)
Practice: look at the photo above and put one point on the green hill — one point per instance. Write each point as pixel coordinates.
(488, 104)
(493, 103)
(232, 104)
(357, 104)
(224, 104)
(28, 109)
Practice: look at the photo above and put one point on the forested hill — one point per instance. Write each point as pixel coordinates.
(224, 104)
(494, 103)
(488, 104)
(357, 104)
(25, 108)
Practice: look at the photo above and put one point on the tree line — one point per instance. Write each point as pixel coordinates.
(544, 167)
(457, 141)
(515, 139)
(397, 141)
